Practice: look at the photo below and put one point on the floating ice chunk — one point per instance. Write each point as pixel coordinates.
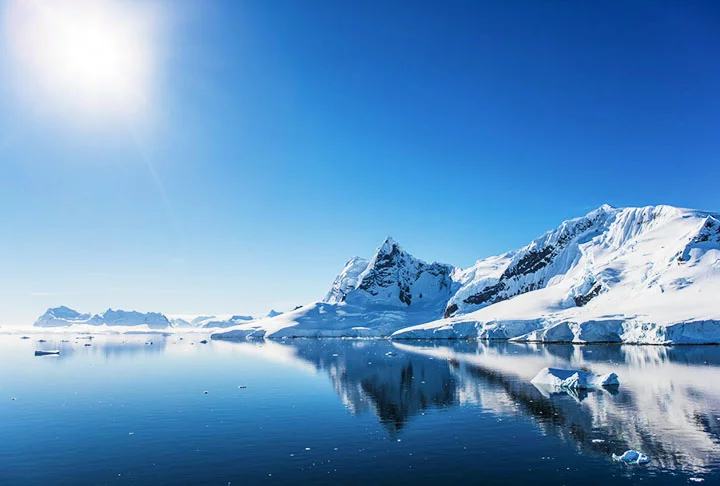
(632, 457)
(696, 480)
(576, 379)
(598, 441)
(53, 352)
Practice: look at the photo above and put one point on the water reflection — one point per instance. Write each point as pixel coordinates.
(108, 346)
(375, 376)
(668, 404)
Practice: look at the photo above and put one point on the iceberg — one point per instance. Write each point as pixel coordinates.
(574, 379)
(632, 457)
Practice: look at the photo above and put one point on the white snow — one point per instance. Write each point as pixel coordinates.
(657, 273)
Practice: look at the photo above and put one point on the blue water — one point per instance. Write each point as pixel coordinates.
(124, 411)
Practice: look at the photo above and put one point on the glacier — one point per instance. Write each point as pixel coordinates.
(644, 275)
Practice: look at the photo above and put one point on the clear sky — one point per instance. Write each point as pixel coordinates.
(276, 139)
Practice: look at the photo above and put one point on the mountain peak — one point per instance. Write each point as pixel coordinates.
(388, 245)
(603, 209)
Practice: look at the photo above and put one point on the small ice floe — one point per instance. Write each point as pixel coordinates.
(390, 353)
(574, 379)
(50, 352)
(632, 457)
(598, 441)
(696, 480)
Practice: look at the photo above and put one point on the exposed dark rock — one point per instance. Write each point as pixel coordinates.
(392, 266)
(405, 295)
(452, 309)
(581, 300)
(381, 274)
(531, 262)
(709, 232)
(489, 295)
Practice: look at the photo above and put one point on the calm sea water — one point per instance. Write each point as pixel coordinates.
(124, 411)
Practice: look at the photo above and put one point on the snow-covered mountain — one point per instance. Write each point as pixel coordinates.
(61, 316)
(392, 278)
(217, 322)
(189, 321)
(645, 275)
(638, 275)
(64, 316)
(368, 298)
(641, 275)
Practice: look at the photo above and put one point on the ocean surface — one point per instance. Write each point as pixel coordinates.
(156, 409)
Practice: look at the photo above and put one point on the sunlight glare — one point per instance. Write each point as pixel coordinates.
(85, 57)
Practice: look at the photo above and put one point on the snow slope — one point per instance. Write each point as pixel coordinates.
(638, 275)
(369, 298)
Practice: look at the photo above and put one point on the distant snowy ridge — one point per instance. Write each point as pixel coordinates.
(639, 275)
(64, 317)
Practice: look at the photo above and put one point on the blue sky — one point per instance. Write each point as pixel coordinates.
(285, 137)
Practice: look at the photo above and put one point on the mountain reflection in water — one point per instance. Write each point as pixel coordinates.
(668, 403)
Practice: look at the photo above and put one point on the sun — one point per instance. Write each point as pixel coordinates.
(84, 56)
